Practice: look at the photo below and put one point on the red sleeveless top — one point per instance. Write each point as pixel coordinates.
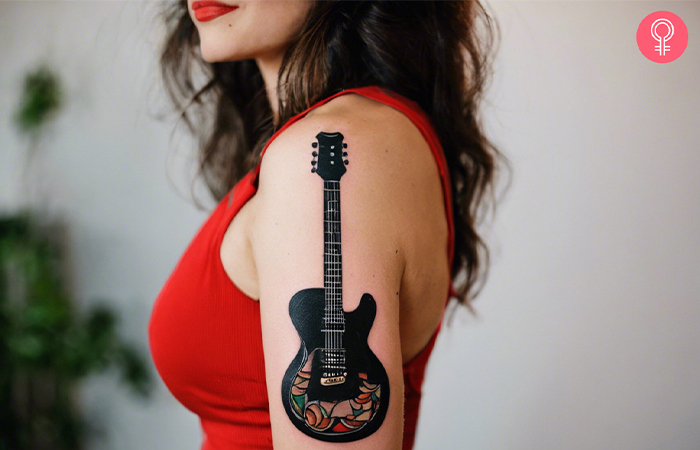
(204, 333)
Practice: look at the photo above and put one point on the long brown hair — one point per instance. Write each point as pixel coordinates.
(436, 53)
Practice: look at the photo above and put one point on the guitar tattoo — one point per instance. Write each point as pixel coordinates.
(335, 389)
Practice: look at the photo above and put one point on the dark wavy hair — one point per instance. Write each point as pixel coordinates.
(436, 53)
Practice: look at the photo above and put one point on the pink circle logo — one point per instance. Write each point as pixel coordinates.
(662, 37)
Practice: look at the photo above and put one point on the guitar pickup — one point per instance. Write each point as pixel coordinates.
(331, 381)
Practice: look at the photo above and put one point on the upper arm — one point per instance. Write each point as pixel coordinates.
(289, 245)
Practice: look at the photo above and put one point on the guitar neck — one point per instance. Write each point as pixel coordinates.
(332, 256)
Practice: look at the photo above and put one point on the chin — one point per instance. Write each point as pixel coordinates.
(213, 55)
(219, 53)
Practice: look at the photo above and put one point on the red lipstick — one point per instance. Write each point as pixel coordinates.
(208, 10)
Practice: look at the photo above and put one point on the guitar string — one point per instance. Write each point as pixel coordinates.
(336, 285)
(329, 250)
(334, 256)
(341, 318)
(335, 266)
(335, 360)
(329, 264)
(330, 273)
(332, 277)
(335, 315)
(339, 305)
(339, 286)
(326, 250)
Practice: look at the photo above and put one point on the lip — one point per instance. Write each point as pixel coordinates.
(207, 10)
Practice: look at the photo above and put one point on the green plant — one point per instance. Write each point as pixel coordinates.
(46, 344)
(41, 99)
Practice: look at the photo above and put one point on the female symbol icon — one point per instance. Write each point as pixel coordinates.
(654, 33)
(662, 48)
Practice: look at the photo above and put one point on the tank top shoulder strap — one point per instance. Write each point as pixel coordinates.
(419, 118)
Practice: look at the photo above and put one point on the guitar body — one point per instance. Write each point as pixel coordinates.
(344, 411)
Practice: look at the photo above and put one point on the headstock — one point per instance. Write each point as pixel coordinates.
(331, 158)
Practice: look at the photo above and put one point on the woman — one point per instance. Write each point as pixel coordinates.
(265, 329)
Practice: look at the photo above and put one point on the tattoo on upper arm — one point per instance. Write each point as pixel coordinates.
(335, 389)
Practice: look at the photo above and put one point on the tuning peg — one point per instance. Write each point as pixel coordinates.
(314, 154)
(313, 170)
(313, 163)
(345, 145)
(314, 144)
(346, 162)
(345, 153)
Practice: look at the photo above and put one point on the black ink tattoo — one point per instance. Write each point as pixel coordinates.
(335, 389)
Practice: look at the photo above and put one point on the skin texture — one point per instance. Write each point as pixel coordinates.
(258, 29)
(394, 225)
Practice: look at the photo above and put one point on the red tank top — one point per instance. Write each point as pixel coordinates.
(204, 333)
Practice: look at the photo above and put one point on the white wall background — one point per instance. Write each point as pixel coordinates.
(589, 328)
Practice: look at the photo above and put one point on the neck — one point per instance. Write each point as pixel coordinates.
(333, 318)
(332, 254)
(269, 66)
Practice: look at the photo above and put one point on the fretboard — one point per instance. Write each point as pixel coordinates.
(332, 259)
(334, 320)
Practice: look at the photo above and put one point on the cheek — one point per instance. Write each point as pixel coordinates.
(284, 19)
(231, 38)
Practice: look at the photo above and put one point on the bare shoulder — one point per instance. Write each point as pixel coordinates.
(388, 159)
